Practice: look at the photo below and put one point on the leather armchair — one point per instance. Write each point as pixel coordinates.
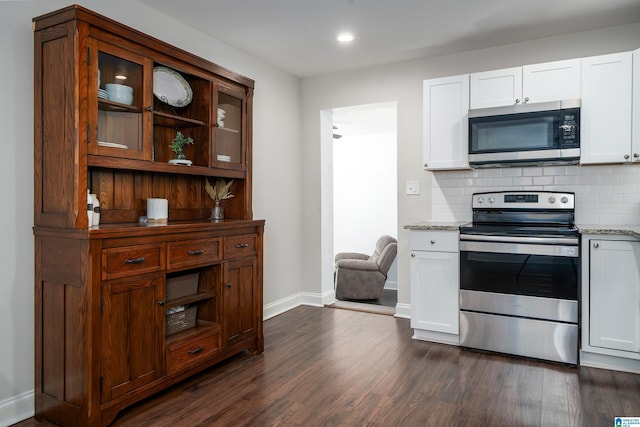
(362, 277)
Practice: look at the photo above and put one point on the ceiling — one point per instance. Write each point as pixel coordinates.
(298, 36)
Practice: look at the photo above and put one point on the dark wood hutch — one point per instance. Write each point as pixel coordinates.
(105, 330)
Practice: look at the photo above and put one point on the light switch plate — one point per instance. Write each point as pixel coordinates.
(413, 187)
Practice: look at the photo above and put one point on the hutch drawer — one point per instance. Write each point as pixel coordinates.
(125, 261)
(190, 353)
(193, 253)
(239, 246)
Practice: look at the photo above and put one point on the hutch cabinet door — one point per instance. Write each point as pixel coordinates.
(131, 334)
(230, 136)
(239, 294)
(120, 102)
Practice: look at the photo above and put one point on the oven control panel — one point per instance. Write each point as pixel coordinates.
(524, 200)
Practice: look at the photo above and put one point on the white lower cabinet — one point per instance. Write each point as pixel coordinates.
(611, 302)
(434, 285)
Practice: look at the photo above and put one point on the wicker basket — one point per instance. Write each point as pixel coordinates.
(181, 286)
(185, 319)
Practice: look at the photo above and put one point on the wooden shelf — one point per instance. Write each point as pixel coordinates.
(173, 121)
(107, 105)
(149, 166)
(190, 299)
(201, 327)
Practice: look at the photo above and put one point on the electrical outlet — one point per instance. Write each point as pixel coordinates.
(413, 187)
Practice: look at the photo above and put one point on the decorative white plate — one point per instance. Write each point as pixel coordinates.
(112, 145)
(171, 88)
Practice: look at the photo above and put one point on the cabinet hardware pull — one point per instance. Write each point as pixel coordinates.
(160, 302)
(433, 242)
(196, 350)
(134, 260)
(526, 99)
(216, 125)
(242, 245)
(626, 157)
(518, 101)
(149, 109)
(196, 252)
(413, 255)
(596, 245)
(228, 284)
(636, 155)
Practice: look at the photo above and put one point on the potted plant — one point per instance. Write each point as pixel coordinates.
(218, 192)
(177, 145)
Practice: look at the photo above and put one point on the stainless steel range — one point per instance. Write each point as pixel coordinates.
(519, 263)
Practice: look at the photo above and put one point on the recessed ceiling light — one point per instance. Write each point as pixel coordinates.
(345, 37)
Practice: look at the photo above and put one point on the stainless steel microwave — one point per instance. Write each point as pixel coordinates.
(525, 134)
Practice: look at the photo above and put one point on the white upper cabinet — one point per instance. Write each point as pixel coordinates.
(635, 121)
(496, 88)
(445, 132)
(606, 109)
(550, 81)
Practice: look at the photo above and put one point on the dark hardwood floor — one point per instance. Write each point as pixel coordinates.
(333, 367)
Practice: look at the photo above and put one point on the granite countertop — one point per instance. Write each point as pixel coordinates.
(436, 225)
(620, 230)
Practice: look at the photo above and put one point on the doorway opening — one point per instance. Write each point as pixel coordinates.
(364, 176)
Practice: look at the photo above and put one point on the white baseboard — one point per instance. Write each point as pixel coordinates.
(17, 408)
(293, 301)
(403, 311)
(603, 361)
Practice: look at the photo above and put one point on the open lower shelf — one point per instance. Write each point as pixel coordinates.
(201, 327)
(189, 299)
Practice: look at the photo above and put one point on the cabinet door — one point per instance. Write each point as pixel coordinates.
(551, 81)
(635, 137)
(446, 109)
(239, 296)
(614, 295)
(496, 88)
(605, 124)
(434, 291)
(131, 335)
(119, 101)
(230, 136)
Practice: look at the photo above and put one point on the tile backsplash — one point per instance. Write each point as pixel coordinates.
(605, 195)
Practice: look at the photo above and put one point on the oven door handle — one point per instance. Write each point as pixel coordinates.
(520, 248)
(521, 239)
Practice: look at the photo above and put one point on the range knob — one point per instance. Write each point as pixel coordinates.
(564, 199)
(491, 199)
(480, 200)
(552, 199)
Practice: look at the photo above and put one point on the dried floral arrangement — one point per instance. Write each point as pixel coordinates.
(219, 191)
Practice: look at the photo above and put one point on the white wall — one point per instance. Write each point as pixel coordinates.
(402, 82)
(364, 178)
(276, 175)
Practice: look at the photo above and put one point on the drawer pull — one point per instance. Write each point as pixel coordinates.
(433, 242)
(196, 350)
(228, 284)
(242, 245)
(196, 252)
(134, 260)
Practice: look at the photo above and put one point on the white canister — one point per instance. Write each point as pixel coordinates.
(96, 209)
(157, 211)
(89, 209)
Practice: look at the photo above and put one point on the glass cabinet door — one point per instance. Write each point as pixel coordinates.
(120, 100)
(229, 138)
